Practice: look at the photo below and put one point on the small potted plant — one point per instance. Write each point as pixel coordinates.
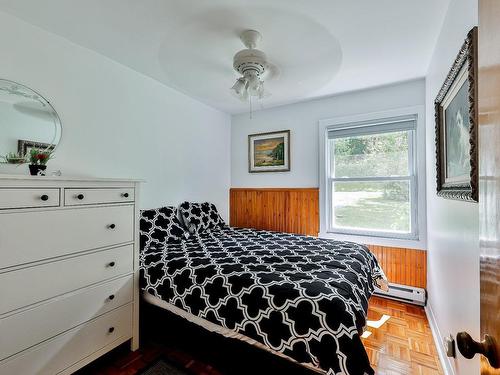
(14, 158)
(38, 161)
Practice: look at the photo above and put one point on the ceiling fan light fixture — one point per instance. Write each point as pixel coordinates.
(253, 67)
(240, 86)
(254, 83)
(244, 97)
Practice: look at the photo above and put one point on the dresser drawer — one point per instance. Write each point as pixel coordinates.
(33, 326)
(78, 197)
(38, 283)
(27, 198)
(63, 351)
(31, 236)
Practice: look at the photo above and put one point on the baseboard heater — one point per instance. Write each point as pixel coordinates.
(410, 294)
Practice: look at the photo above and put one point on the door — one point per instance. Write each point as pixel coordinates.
(489, 177)
(489, 190)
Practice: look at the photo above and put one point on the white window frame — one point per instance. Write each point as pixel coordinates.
(357, 125)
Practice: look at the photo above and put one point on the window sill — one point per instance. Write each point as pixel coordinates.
(377, 241)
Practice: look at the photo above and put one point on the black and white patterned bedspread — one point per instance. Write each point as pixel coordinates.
(302, 296)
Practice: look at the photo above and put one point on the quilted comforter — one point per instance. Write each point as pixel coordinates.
(303, 297)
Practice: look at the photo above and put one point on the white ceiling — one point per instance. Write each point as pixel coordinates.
(322, 47)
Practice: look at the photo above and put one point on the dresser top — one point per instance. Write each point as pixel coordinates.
(21, 177)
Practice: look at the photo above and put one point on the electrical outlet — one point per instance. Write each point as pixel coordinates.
(449, 346)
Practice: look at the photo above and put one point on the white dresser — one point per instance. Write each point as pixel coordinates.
(69, 288)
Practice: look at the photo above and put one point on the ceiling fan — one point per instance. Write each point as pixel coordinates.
(254, 68)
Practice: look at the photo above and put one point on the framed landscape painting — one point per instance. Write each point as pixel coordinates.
(269, 152)
(456, 127)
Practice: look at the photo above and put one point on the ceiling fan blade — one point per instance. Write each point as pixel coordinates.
(271, 72)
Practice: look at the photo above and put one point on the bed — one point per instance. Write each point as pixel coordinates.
(303, 298)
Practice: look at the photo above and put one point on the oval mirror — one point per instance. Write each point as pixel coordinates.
(27, 120)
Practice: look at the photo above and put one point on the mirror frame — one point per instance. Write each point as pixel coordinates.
(57, 119)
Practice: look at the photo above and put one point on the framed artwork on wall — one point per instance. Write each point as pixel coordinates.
(269, 152)
(456, 127)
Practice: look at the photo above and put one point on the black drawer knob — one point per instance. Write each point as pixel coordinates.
(125, 195)
(80, 196)
(111, 264)
(111, 226)
(111, 329)
(44, 197)
(111, 297)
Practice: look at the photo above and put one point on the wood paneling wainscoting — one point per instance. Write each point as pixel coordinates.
(296, 210)
(402, 266)
(282, 210)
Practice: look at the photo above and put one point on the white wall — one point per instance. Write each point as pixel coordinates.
(302, 119)
(119, 123)
(452, 226)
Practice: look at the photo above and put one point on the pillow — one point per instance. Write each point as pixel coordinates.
(159, 226)
(200, 217)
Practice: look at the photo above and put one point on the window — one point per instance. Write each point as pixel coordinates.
(371, 178)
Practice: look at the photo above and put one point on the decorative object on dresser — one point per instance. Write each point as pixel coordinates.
(38, 161)
(14, 158)
(69, 284)
(456, 127)
(30, 122)
(269, 152)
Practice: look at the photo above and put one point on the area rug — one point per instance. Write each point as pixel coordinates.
(163, 367)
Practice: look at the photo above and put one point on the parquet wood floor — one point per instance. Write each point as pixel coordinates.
(403, 344)
(400, 343)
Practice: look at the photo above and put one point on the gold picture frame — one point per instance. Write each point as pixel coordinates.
(269, 152)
